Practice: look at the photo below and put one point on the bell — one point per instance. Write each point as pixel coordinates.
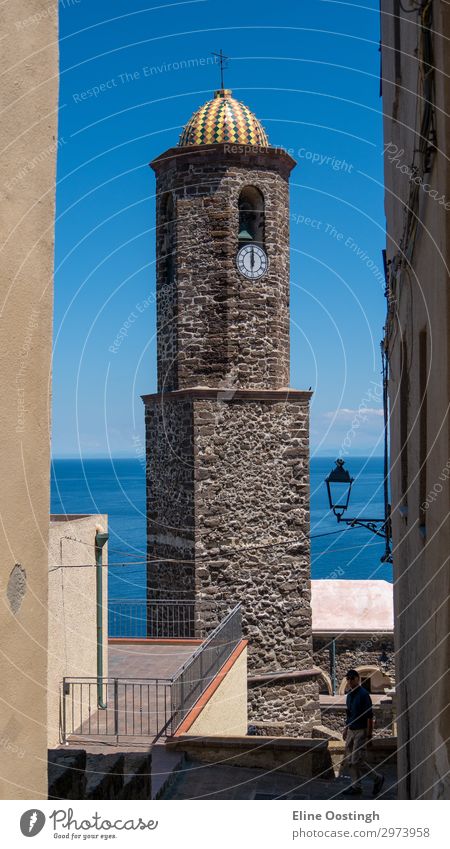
(244, 236)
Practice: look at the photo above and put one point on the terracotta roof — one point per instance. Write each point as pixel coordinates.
(352, 606)
(223, 119)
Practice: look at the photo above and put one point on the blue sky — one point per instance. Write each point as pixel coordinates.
(310, 72)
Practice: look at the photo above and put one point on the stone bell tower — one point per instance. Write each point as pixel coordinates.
(227, 439)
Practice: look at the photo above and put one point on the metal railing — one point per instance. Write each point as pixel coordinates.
(146, 707)
(194, 677)
(168, 619)
(135, 707)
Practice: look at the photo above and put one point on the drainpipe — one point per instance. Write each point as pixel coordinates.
(100, 539)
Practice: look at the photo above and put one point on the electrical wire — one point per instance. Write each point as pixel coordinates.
(204, 557)
(165, 560)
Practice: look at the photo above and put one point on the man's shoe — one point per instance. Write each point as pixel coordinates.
(352, 791)
(377, 785)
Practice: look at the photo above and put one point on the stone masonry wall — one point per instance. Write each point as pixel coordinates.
(353, 652)
(335, 716)
(252, 491)
(236, 470)
(215, 327)
(292, 708)
(170, 498)
(227, 443)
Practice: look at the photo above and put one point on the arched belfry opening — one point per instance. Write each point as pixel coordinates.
(251, 216)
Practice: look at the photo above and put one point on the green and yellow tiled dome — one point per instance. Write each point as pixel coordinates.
(223, 119)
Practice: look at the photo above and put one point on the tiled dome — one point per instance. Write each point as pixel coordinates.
(223, 119)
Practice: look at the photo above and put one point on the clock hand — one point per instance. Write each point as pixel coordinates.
(252, 259)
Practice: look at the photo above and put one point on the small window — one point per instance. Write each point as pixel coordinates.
(251, 216)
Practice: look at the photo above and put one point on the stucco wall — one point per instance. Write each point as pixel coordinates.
(28, 131)
(225, 713)
(419, 295)
(72, 610)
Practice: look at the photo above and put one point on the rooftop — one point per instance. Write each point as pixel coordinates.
(343, 606)
(223, 119)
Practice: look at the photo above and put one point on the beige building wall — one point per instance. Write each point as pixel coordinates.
(419, 386)
(28, 132)
(72, 609)
(225, 714)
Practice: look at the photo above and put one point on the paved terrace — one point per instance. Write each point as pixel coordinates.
(146, 660)
(138, 708)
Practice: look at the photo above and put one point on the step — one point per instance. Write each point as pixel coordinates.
(137, 776)
(165, 767)
(66, 773)
(104, 776)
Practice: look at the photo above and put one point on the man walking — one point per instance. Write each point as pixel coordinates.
(358, 730)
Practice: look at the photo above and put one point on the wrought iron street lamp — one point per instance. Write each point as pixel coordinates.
(339, 484)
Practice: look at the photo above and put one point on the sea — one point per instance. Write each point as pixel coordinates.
(117, 487)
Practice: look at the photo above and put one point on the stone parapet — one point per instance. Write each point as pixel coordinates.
(307, 758)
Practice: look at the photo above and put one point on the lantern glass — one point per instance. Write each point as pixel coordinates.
(339, 485)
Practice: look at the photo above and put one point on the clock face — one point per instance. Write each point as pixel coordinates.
(252, 261)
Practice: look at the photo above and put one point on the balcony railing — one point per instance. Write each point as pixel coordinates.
(168, 619)
(134, 708)
(196, 674)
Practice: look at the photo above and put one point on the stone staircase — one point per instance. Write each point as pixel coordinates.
(77, 774)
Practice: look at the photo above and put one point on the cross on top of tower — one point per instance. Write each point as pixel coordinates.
(223, 60)
(223, 119)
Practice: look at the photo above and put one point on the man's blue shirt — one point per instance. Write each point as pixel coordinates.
(359, 708)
